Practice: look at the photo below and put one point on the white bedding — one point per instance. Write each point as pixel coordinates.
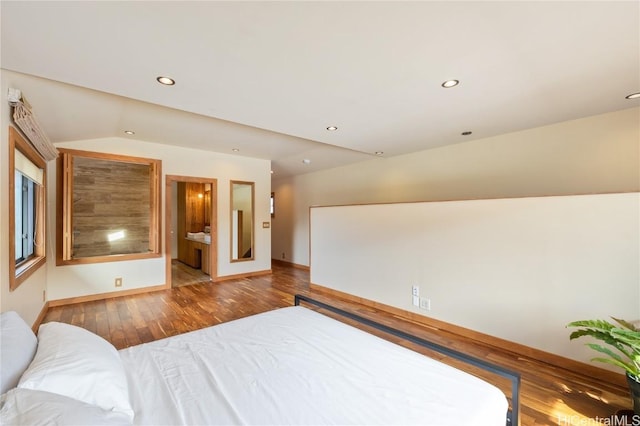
(295, 366)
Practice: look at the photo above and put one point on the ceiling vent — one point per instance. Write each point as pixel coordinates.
(23, 117)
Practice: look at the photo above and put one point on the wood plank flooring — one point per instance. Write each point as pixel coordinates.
(549, 395)
(182, 274)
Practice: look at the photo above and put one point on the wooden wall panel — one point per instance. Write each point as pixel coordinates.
(110, 197)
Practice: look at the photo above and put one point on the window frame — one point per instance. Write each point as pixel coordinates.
(18, 273)
(64, 208)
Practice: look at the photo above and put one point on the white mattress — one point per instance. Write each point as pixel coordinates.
(295, 366)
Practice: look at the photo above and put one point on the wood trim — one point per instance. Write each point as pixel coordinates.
(102, 296)
(243, 275)
(293, 265)
(40, 318)
(155, 209)
(108, 156)
(65, 213)
(578, 367)
(444, 200)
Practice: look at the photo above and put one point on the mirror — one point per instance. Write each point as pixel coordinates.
(242, 221)
(108, 207)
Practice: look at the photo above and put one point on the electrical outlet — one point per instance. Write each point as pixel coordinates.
(283, 255)
(415, 290)
(118, 282)
(425, 303)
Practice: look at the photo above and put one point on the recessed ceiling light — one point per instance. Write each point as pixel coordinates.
(450, 83)
(306, 161)
(130, 132)
(633, 96)
(467, 133)
(332, 128)
(167, 81)
(235, 150)
(379, 152)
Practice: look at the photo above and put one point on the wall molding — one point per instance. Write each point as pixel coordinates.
(571, 365)
(243, 275)
(102, 296)
(291, 264)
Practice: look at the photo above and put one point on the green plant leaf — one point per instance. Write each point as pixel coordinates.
(595, 324)
(624, 339)
(626, 324)
(627, 368)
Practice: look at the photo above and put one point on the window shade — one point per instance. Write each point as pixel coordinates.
(27, 168)
(25, 119)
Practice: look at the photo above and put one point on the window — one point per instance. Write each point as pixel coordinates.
(108, 207)
(27, 202)
(25, 212)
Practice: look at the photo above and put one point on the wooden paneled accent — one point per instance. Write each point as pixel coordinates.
(194, 213)
(107, 207)
(101, 207)
(550, 394)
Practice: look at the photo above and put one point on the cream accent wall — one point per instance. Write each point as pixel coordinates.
(515, 268)
(80, 280)
(27, 299)
(597, 154)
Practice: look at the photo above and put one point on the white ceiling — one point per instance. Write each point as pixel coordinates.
(267, 78)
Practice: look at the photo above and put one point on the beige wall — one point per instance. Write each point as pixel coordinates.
(598, 154)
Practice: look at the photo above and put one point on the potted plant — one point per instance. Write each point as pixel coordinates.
(622, 348)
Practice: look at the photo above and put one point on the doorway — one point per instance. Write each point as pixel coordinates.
(191, 229)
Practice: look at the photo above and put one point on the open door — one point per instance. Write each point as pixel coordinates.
(191, 230)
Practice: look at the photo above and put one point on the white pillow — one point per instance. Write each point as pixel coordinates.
(18, 345)
(30, 407)
(74, 362)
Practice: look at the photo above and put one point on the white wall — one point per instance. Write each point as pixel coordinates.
(596, 154)
(79, 280)
(27, 299)
(519, 268)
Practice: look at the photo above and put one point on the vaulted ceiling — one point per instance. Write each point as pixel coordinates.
(266, 79)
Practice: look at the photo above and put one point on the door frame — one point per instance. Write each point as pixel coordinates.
(213, 220)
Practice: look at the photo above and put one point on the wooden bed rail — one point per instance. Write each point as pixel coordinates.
(513, 414)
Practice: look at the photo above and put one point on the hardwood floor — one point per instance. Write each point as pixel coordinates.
(549, 395)
(182, 274)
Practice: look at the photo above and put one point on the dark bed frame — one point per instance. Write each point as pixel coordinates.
(513, 418)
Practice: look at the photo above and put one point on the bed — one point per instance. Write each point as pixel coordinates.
(292, 366)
